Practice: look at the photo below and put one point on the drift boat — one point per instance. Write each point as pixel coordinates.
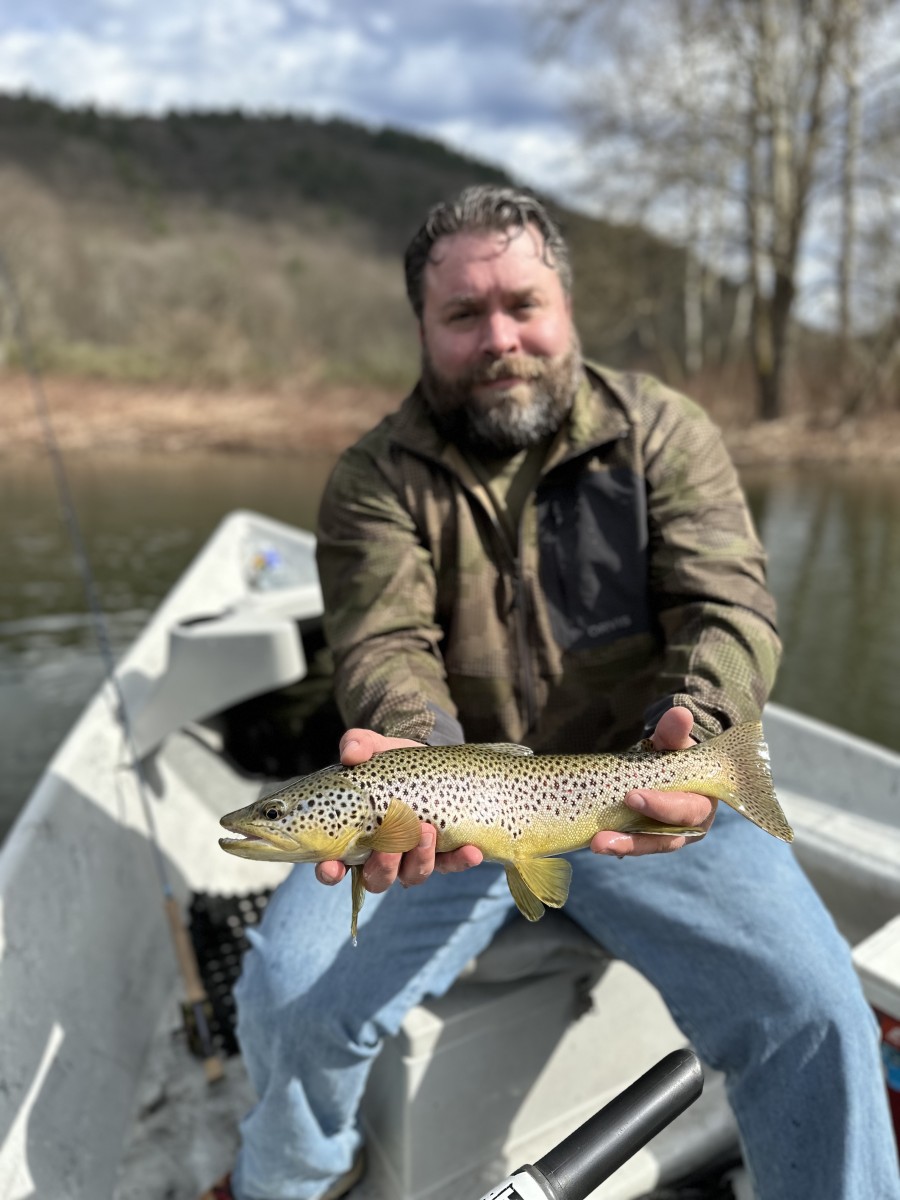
(225, 691)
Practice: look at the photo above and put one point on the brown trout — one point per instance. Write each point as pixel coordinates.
(520, 809)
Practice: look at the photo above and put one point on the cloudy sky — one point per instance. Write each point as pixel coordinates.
(462, 72)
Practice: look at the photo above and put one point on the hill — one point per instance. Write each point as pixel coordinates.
(220, 249)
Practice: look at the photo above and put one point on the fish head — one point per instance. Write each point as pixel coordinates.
(309, 819)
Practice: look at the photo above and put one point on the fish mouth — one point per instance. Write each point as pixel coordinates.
(252, 843)
(258, 847)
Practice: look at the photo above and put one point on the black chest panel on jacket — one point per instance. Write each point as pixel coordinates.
(592, 523)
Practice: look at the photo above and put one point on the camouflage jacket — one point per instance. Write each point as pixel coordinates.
(638, 581)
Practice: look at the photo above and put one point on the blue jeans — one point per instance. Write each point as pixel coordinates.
(729, 930)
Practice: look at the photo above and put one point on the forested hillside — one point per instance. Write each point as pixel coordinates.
(221, 249)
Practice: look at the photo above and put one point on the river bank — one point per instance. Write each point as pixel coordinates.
(315, 419)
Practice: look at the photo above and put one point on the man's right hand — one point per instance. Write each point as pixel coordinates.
(413, 867)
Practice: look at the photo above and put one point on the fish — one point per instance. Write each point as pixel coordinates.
(520, 809)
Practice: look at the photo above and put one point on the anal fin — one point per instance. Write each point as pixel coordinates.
(535, 882)
(548, 878)
(526, 901)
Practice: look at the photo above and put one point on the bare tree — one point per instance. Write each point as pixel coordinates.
(868, 277)
(849, 167)
(721, 121)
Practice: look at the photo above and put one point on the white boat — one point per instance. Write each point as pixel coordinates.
(99, 1095)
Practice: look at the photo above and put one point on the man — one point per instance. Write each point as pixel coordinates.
(535, 549)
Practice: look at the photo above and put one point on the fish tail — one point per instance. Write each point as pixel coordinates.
(747, 784)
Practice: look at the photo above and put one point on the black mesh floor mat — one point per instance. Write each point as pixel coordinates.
(217, 926)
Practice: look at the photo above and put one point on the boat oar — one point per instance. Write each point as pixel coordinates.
(196, 1007)
(583, 1160)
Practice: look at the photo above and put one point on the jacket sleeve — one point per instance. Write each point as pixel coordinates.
(379, 589)
(707, 572)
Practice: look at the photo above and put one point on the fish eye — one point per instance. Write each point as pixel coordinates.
(273, 810)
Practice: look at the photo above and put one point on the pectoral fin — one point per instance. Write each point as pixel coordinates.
(399, 830)
(535, 882)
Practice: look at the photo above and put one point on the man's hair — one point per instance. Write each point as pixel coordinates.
(484, 208)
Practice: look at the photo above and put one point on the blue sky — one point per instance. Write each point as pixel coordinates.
(462, 72)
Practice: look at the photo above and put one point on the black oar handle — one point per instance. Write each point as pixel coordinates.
(581, 1162)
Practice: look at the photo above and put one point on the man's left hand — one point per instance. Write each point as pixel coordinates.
(669, 808)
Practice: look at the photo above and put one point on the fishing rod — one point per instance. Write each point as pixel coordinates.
(196, 1005)
(582, 1161)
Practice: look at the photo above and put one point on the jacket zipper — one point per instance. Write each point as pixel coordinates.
(520, 617)
(519, 607)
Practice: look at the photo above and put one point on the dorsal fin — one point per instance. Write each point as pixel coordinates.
(502, 748)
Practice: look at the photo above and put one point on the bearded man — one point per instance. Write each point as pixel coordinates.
(536, 549)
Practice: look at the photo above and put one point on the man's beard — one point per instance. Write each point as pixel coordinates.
(509, 422)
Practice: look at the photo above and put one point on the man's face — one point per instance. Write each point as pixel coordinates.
(500, 356)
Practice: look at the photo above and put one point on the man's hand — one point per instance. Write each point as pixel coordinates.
(671, 808)
(413, 867)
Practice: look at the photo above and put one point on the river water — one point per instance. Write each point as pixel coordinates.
(833, 537)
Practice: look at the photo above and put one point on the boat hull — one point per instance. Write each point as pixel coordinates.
(87, 969)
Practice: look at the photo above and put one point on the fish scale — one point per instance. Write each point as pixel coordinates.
(519, 809)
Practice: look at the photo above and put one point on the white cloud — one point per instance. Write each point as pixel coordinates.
(67, 66)
(460, 73)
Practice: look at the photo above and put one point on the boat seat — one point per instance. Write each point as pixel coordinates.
(538, 1033)
(217, 660)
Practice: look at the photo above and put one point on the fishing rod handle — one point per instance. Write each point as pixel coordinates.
(583, 1160)
(526, 1184)
(196, 1000)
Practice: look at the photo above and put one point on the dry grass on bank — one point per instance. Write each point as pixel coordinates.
(313, 418)
(107, 416)
(873, 440)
